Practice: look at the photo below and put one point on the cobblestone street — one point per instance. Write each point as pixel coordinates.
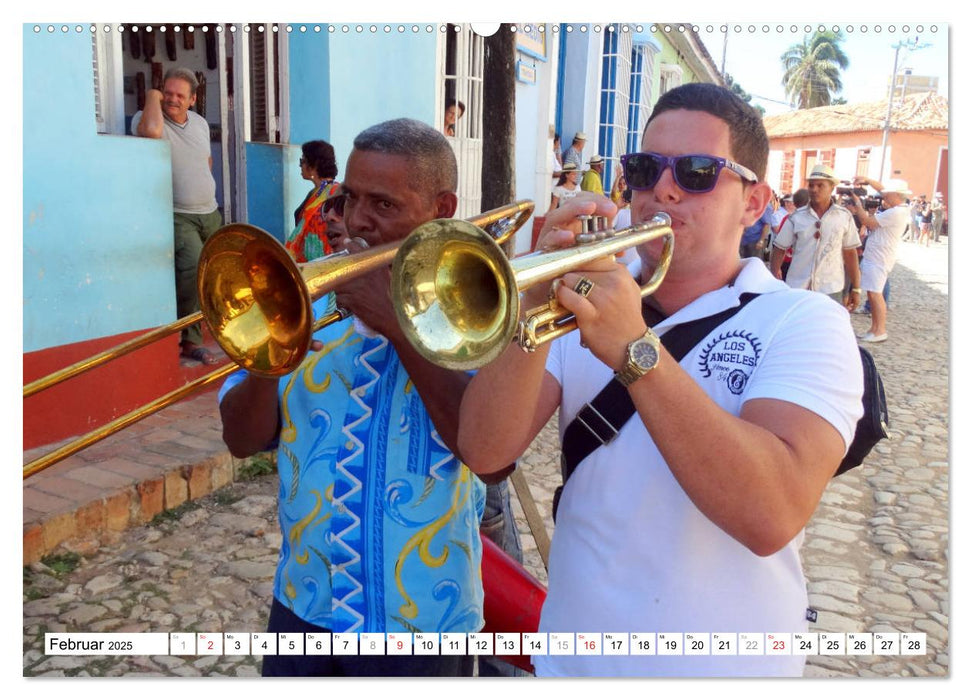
(876, 553)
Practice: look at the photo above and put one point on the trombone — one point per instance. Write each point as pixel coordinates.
(457, 295)
(257, 303)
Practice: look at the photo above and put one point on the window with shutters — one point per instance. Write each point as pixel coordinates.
(671, 76)
(643, 58)
(615, 84)
(106, 60)
(264, 84)
(863, 162)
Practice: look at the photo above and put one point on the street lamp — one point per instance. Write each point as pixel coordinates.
(903, 44)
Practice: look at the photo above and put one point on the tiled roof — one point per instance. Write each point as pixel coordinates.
(919, 112)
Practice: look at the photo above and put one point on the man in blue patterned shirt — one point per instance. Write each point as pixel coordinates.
(379, 517)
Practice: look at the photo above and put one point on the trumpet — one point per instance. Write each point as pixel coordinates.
(457, 296)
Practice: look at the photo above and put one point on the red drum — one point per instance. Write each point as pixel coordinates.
(513, 597)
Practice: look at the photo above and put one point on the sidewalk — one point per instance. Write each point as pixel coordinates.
(125, 480)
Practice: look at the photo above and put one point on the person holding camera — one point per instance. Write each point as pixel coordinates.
(886, 229)
(824, 239)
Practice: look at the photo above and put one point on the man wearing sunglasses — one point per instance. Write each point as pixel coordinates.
(691, 516)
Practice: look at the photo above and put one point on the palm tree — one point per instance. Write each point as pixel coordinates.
(812, 70)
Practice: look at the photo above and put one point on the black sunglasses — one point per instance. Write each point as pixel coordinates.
(335, 204)
(693, 172)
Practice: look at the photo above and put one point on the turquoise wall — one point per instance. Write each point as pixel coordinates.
(310, 100)
(374, 78)
(97, 210)
(340, 84)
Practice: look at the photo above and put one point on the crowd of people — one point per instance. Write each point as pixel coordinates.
(845, 247)
(391, 467)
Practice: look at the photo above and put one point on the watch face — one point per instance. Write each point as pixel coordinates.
(644, 354)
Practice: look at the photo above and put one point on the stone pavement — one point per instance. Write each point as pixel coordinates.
(159, 529)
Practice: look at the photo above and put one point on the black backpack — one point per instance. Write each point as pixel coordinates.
(872, 427)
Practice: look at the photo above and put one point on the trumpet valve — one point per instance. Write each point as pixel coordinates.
(592, 229)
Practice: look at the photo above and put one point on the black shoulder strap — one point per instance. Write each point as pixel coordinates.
(599, 421)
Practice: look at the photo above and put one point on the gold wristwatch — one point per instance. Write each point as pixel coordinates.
(642, 356)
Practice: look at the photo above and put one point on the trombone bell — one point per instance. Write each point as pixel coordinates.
(254, 299)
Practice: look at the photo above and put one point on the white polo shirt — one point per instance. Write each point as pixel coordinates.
(631, 552)
(817, 260)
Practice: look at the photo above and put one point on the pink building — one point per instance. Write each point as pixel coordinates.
(850, 139)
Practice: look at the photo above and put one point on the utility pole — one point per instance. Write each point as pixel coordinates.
(724, 50)
(903, 44)
(499, 119)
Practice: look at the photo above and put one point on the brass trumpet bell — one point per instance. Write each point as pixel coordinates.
(452, 292)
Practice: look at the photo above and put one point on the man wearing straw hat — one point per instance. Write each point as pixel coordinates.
(574, 154)
(886, 229)
(824, 239)
(592, 180)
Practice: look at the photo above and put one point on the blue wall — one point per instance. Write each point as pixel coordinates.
(97, 212)
(573, 90)
(340, 84)
(268, 169)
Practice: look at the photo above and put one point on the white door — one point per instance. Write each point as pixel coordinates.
(461, 56)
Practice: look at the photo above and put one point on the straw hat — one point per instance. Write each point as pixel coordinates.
(824, 172)
(897, 186)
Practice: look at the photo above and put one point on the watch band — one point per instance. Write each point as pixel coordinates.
(628, 375)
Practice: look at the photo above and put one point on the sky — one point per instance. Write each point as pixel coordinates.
(751, 56)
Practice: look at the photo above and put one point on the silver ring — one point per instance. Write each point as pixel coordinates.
(583, 287)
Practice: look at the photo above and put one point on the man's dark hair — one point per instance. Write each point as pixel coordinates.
(433, 168)
(800, 198)
(747, 137)
(320, 156)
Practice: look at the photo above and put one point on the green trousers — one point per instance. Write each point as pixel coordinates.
(191, 231)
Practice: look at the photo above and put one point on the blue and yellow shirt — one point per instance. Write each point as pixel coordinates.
(379, 519)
